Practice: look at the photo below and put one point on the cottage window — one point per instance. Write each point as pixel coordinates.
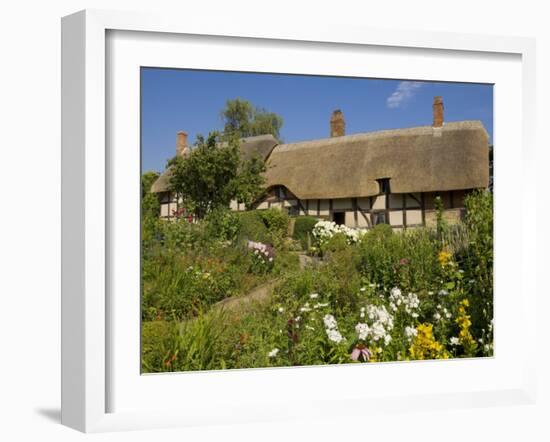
(379, 218)
(384, 185)
(339, 218)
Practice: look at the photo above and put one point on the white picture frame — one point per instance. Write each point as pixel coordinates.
(86, 316)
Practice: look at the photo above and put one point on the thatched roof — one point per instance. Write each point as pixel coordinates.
(420, 159)
(162, 183)
(261, 145)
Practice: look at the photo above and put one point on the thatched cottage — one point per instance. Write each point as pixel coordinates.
(360, 180)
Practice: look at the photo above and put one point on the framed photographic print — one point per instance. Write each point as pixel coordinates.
(248, 215)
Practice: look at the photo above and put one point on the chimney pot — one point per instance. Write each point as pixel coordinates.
(438, 112)
(181, 144)
(337, 124)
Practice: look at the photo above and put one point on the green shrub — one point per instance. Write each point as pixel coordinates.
(407, 259)
(177, 286)
(337, 243)
(180, 234)
(222, 224)
(159, 345)
(478, 257)
(276, 222)
(252, 227)
(302, 229)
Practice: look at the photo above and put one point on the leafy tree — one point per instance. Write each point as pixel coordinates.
(147, 180)
(242, 119)
(150, 205)
(213, 175)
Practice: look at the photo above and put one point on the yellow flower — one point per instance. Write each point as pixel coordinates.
(464, 323)
(444, 258)
(425, 346)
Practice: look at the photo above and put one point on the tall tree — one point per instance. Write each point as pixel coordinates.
(242, 119)
(213, 175)
(150, 205)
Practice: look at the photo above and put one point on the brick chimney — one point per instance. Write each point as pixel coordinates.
(337, 124)
(181, 144)
(438, 112)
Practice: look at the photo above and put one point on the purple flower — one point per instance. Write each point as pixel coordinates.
(361, 352)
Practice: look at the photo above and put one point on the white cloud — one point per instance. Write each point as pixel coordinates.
(405, 91)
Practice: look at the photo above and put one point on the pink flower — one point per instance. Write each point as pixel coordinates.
(361, 352)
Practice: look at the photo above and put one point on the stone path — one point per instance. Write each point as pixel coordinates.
(259, 294)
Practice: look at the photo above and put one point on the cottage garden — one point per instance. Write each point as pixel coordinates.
(328, 294)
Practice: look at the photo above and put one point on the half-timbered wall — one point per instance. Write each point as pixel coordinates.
(396, 209)
(168, 205)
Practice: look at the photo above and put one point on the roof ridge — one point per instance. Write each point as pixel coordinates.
(451, 125)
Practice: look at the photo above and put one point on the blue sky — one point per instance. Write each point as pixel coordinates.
(175, 99)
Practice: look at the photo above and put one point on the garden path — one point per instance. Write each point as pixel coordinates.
(259, 294)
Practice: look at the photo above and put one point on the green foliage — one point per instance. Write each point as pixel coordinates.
(478, 257)
(303, 227)
(252, 227)
(250, 181)
(242, 119)
(222, 224)
(189, 267)
(147, 180)
(269, 226)
(407, 260)
(159, 345)
(276, 222)
(206, 179)
(441, 224)
(150, 207)
(200, 345)
(178, 287)
(338, 242)
(213, 175)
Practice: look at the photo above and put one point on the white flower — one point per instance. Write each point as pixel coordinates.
(281, 309)
(454, 340)
(314, 295)
(334, 335)
(330, 322)
(320, 304)
(273, 353)
(437, 316)
(362, 289)
(387, 339)
(443, 292)
(395, 293)
(410, 332)
(362, 330)
(378, 331)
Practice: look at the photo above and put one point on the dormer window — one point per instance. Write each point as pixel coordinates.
(384, 186)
